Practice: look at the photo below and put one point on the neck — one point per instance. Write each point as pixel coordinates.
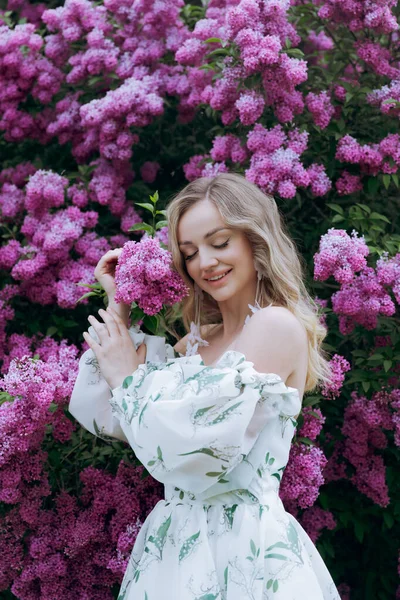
(235, 310)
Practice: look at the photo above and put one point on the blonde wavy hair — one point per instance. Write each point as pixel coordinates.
(243, 206)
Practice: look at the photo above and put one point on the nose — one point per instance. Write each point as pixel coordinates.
(207, 260)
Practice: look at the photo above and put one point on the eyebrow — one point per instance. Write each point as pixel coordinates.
(209, 234)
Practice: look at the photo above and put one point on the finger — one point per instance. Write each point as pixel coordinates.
(93, 345)
(100, 329)
(122, 327)
(112, 325)
(141, 353)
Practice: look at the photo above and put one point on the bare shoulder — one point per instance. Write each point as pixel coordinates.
(277, 321)
(276, 342)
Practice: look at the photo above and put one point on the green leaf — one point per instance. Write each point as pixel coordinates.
(395, 179)
(386, 180)
(213, 40)
(337, 219)
(377, 216)
(161, 224)
(146, 205)
(336, 208)
(364, 207)
(388, 518)
(142, 227)
(155, 197)
(387, 364)
(161, 212)
(366, 385)
(306, 441)
(295, 52)
(151, 322)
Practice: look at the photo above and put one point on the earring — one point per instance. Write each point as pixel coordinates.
(257, 305)
(194, 339)
(198, 302)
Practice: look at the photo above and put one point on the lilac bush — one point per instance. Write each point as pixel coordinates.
(102, 104)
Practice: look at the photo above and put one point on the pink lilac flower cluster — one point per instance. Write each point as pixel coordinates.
(313, 421)
(383, 157)
(339, 366)
(387, 98)
(44, 190)
(261, 50)
(302, 477)
(348, 184)
(275, 162)
(162, 235)
(395, 404)
(363, 425)
(321, 108)
(378, 58)
(321, 41)
(122, 45)
(26, 10)
(340, 256)
(388, 273)
(108, 185)
(144, 275)
(315, 519)
(198, 166)
(7, 313)
(361, 302)
(34, 384)
(228, 148)
(357, 15)
(103, 522)
(24, 72)
(43, 262)
(108, 120)
(149, 170)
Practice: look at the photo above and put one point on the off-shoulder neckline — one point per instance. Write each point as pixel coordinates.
(239, 355)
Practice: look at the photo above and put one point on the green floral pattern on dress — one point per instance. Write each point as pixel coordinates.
(218, 438)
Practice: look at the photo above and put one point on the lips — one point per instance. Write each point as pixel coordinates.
(218, 275)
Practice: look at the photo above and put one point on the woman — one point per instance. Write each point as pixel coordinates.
(215, 426)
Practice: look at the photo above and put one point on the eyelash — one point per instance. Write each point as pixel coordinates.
(220, 246)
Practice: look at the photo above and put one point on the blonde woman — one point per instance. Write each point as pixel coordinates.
(215, 424)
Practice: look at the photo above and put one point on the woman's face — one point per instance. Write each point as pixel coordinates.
(211, 249)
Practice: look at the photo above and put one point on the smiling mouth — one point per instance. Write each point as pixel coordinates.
(220, 278)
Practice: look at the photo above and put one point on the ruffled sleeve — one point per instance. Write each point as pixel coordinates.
(190, 425)
(89, 402)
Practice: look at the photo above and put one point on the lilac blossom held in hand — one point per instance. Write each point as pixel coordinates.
(144, 275)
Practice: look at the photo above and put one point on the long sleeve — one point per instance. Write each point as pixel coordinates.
(190, 425)
(89, 402)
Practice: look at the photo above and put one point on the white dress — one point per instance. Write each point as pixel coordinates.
(218, 438)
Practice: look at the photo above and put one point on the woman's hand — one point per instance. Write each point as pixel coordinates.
(115, 352)
(105, 271)
(105, 275)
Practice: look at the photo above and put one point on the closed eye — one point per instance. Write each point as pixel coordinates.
(220, 246)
